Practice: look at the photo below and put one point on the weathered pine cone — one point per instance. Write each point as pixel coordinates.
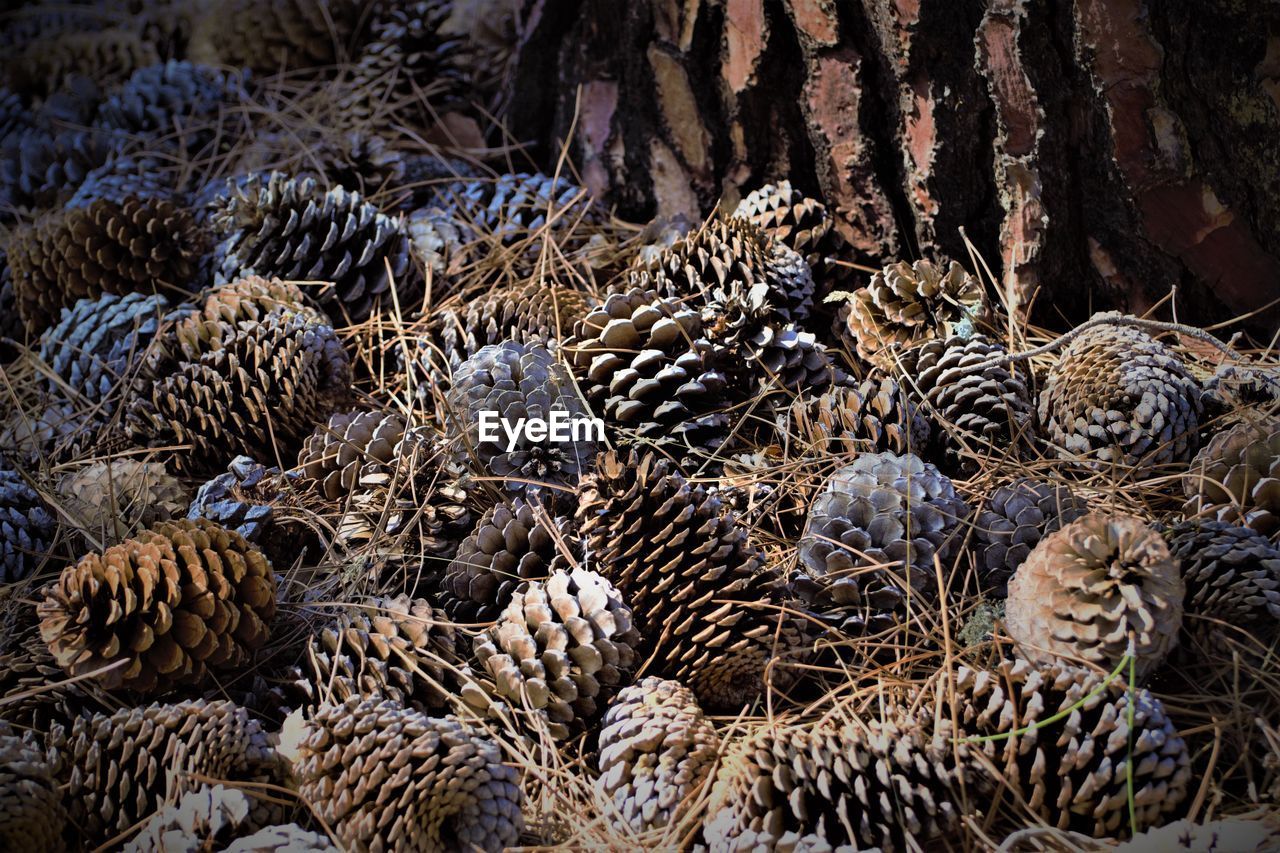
(1235, 389)
(262, 387)
(517, 381)
(1013, 521)
(173, 602)
(1073, 772)
(656, 752)
(111, 501)
(514, 207)
(40, 168)
(559, 652)
(707, 608)
(895, 512)
(1236, 478)
(27, 527)
(350, 447)
(171, 97)
(905, 305)
(644, 365)
(244, 499)
(286, 227)
(268, 36)
(148, 246)
(988, 413)
(283, 838)
(31, 813)
(204, 819)
(118, 769)
(387, 778)
(123, 176)
(99, 343)
(802, 223)
(1118, 396)
(250, 298)
(884, 784)
(874, 416)
(512, 543)
(791, 359)
(1084, 589)
(1231, 574)
(105, 55)
(393, 648)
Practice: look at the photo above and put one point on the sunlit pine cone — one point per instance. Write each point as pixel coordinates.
(1223, 834)
(802, 223)
(387, 778)
(173, 602)
(1014, 520)
(1236, 478)
(875, 415)
(203, 819)
(283, 838)
(249, 298)
(1084, 590)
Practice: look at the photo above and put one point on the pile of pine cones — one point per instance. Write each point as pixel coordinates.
(842, 561)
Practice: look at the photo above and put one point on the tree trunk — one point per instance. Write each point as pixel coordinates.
(1095, 152)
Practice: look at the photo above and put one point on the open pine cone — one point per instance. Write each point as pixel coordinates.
(111, 501)
(874, 416)
(1085, 588)
(1014, 520)
(905, 305)
(31, 813)
(250, 298)
(1073, 772)
(560, 650)
(707, 608)
(203, 819)
(387, 778)
(40, 168)
(27, 527)
(656, 752)
(173, 602)
(1118, 396)
(879, 784)
(1231, 574)
(1236, 478)
(148, 246)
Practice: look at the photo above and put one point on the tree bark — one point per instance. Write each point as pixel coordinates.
(1094, 152)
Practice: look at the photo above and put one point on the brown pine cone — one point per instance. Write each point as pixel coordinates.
(387, 778)
(656, 752)
(118, 769)
(905, 305)
(31, 813)
(352, 446)
(176, 600)
(1117, 396)
(250, 298)
(707, 608)
(560, 650)
(106, 56)
(148, 245)
(1013, 521)
(268, 36)
(111, 501)
(889, 785)
(802, 223)
(1072, 773)
(394, 648)
(874, 416)
(1085, 588)
(1231, 574)
(1236, 478)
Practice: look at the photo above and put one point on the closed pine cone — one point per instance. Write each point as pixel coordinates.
(803, 223)
(111, 501)
(387, 778)
(1236, 478)
(174, 601)
(1085, 588)
(350, 446)
(1014, 520)
(656, 751)
(875, 415)
(31, 812)
(1231, 574)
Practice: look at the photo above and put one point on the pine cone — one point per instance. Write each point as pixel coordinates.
(31, 812)
(176, 600)
(40, 167)
(393, 648)
(205, 819)
(895, 512)
(518, 381)
(875, 416)
(106, 56)
(144, 246)
(387, 778)
(359, 160)
(56, 433)
(224, 308)
(113, 500)
(908, 304)
(118, 769)
(1236, 478)
(802, 223)
(791, 359)
(707, 609)
(987, 412)
(512, 543)
(887, 785)
(511, 209)
(351, 446)
(99, 343)
(643, 364)
(1073, 772)
(561, 649)
(27, 527)
(122, 177)
(1210, 837)
(286, 227)
(1085, 588)
(1236, 387)
(171, 97)
(243, 500)
(268, 36)
(263, 386)
(1117, 396)
(1016, 517)
(656, 752)
(1231, 574)
(284, 838)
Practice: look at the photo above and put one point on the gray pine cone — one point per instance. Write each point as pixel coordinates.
(27, 528)
(1014, 520)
